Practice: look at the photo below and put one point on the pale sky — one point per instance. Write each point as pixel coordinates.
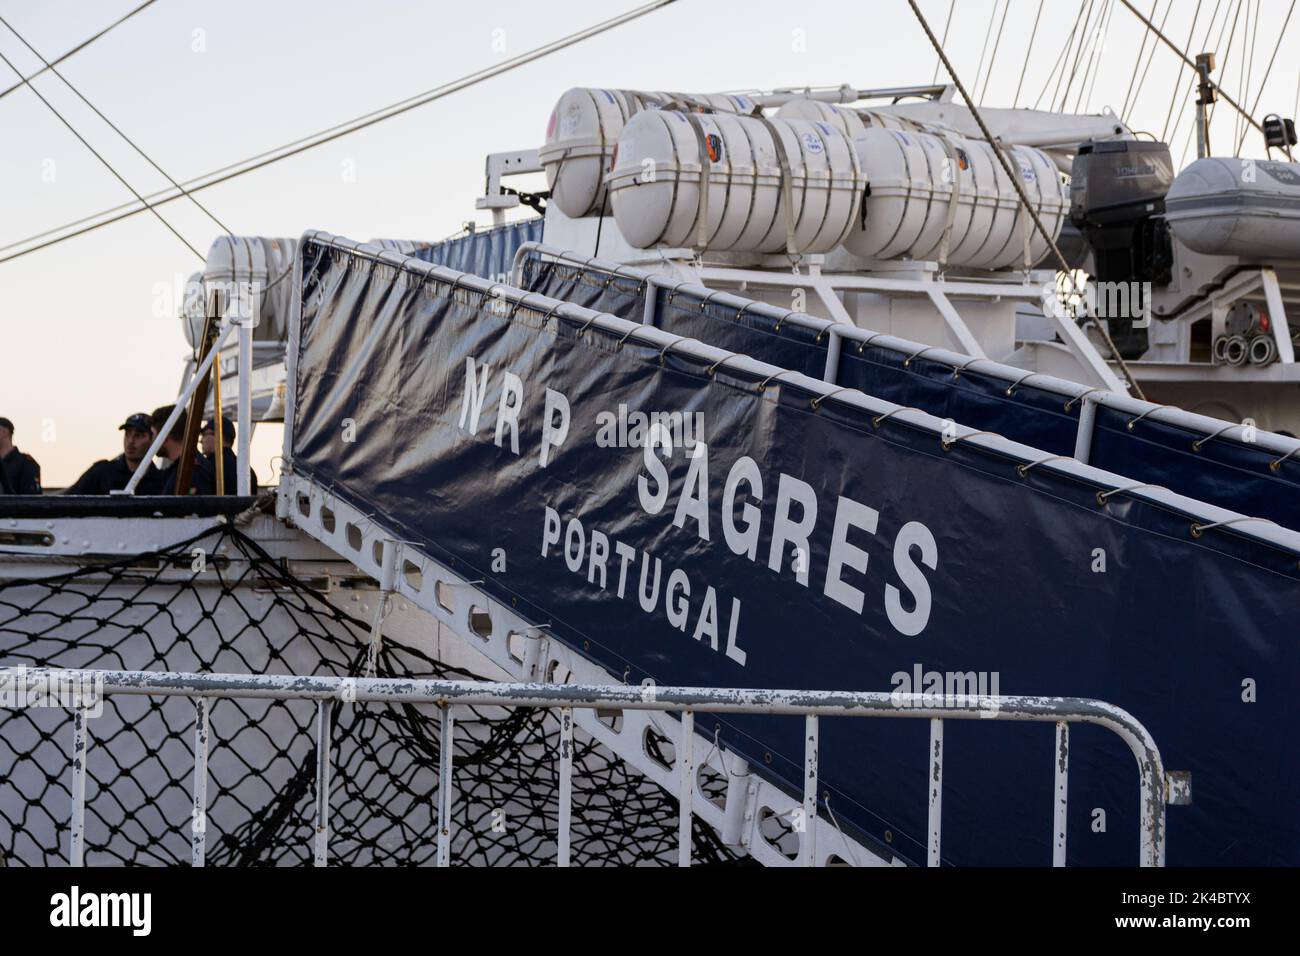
(87, 338)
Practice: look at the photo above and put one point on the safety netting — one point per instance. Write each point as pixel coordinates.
(246, 612)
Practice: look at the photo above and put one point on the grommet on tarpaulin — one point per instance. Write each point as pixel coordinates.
(958, 369)
(947, 444)
(907, 362)
(550, 313)
(762, 386)
(1023, 470)
(1200, 529)
(628, 334)
(726, 358)
(1081, 396)
(1276, 464)
(586, 325)
(1196, 445)
(664, 351)
(1104, 496)
(881, 419)
(1133, 421)
(869, 339)
(1018, 382)
(816, 402)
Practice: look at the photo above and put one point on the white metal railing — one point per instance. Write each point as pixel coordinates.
(565, 698)
(1089, 398)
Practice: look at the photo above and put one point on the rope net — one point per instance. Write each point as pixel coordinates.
(246, 613)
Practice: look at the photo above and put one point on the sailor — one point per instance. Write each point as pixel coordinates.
(171, 449)
(19, 472)
(208, 444)
(104, 477)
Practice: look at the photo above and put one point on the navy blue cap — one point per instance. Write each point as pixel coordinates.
(139, 421)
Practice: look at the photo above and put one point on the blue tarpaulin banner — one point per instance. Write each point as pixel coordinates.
(489, 253)
(1230, 474)
(698, 526)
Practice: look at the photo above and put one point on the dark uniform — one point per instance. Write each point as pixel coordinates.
(229, 461)
(230, 466)
(105, 477)
(200, 483)
(19, 474)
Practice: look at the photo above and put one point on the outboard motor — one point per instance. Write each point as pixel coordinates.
(1117, 201)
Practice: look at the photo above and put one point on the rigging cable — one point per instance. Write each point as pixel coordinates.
(979, 70)
(233, 170)
(1187, 91)
(1062, 265)
(1191, 30)
(220, 225)
(106, 163)
(1085, 37)
(1086, 103)
(1133, 88)
(996, 42)
(952, 5)
(1024, 66)
(79, 47)
(1183, 56)
(1058, 62)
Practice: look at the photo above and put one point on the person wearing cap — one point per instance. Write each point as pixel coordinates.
(105, 477)
(19, 472)
(170, 451)
(229, 462)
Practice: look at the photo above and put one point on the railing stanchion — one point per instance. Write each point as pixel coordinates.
(77, 853)
(566, 784)
(936, 789)
(808, 839)
(1062, 792)
(444, 787)
(322, 782)
(686, 787)
(199, 824)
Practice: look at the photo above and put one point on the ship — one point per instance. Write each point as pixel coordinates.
(836, 476)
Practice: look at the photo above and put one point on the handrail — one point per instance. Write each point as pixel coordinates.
(1168, 414)
(812, 705)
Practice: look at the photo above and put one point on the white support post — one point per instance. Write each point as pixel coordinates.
(685, 787)
(1087, 425)
(962, 336)
(444, 787)
(199, 823)
(808, 839)
(182, 400)
(245, 411)
(833, 346)
(1081, 347)
(566, 785)
(936, 789)
(1277, 316)
(322, 782)
(651, 298)
(77, 851)
(1060, 805)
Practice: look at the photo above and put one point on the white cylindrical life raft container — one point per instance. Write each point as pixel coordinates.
(848, 121)
(1223, 206)
(912, 210)
(751, 164)
(584, 129)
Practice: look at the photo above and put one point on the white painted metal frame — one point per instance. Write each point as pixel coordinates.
(356, 536)
(838, 332)
(685, 701)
